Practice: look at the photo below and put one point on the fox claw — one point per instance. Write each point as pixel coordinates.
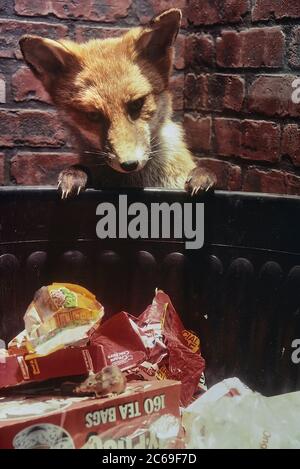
(200, 180)
(71, 182)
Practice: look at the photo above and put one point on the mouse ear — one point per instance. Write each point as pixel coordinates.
(98, 375)
(156, 40)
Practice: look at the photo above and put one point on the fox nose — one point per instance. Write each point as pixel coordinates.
(130, 165)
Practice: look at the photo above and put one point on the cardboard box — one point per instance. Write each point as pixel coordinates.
(146, 416)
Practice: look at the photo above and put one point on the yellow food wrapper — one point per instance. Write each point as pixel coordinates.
(60, 314)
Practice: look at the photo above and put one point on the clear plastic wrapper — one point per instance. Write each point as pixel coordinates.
(233, 417)
(60, 314)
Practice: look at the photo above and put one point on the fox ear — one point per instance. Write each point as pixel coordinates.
(46, 58)
(156, 40)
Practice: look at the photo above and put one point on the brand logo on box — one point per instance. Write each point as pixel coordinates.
(43, 436)
(34, 367)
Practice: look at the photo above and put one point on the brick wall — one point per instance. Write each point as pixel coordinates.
(33, 146)
(242, 57)
(235, 64)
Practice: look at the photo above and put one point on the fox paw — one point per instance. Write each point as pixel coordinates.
(71, 182)
(200, 180)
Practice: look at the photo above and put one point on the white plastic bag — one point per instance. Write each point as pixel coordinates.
(232, 416)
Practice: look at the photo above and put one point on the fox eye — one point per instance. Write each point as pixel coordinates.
(95, 116)
(135, 107)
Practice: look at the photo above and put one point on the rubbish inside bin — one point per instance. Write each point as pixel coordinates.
(232, 416)
(118, 357)
(60, 314)
(147, 416)
(154, 346)
(152, 359)
(110, 380)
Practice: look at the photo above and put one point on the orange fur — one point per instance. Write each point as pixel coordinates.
(113, 95)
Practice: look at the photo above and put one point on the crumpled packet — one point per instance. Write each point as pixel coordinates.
(153, 346)
(60, 314)
(231, 416)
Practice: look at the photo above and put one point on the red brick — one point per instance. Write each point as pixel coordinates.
(199, 50)
(294, 55)
(228, 174)
(93, 10)
(226, 92)
(267, 9)
(228, 137)
(291, 143)
(257, 180)
(272, 96)
(11, 31)
(176, 87)
(8, 128)
(213, 11)
(272, 181)
(215, 92)
(196, 91)
(2, 168)
(30, 127)
(26, 87)
(2, 89)
(40, 168)
(39, 128)
(198, 132)
(179, 59)
(293, 184)
(253, 48)
(260, 140)
(145, 10)
(248, 139)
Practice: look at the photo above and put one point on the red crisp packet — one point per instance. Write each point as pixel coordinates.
(153, 346)
(183, 361)
(121, 341)
(71, 361)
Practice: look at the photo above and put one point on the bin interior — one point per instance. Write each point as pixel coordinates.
(240, 293)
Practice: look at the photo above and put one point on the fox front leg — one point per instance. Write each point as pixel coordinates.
(71, 182)
(200, 180)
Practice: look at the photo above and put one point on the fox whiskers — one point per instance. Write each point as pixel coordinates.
(100, 159)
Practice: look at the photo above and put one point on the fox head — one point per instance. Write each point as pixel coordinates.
(113, 92)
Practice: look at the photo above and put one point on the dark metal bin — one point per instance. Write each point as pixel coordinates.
(240, 292)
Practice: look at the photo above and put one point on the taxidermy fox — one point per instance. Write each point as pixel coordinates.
(113, 96)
